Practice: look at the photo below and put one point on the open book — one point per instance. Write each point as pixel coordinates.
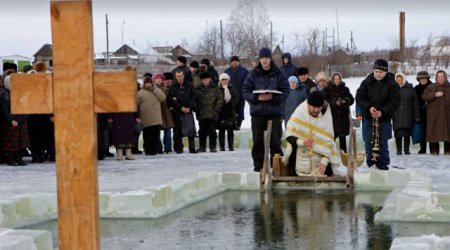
(265, 91)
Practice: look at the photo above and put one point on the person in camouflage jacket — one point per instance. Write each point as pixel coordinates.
(209, 104)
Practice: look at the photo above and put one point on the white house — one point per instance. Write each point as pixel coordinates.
(17, 59)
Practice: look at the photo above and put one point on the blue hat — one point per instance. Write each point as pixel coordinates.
(265, 52)
(293, 79)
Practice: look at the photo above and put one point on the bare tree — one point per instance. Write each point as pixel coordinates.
(209, 42)
(248, 28)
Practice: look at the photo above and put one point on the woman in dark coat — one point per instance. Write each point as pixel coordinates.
(406, 114)
(227, 115)
(14, 129)
(340, 100)
(424, 80)
(437, 96)
(122, 134)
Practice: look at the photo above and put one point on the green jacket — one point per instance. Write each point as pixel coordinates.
(209, 102)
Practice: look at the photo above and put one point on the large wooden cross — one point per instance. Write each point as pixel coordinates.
(74, 92)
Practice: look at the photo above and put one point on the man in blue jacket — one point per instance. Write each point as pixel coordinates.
(237, 75)
(288, 68)
(266, 106)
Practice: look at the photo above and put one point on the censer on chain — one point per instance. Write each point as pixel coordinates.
(375, 139)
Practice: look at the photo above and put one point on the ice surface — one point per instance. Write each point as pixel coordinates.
(424, 242)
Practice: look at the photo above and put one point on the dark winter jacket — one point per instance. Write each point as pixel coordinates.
(259, 79)
(122, 127)
(408, 112)
(181, 96)
(289, 69)
(384, 95)
(309, 84)
(228, 111)
(341, 114)
(187, 73)
(422, 104)
(296, 96)
(5, 106)
(237, 78)
(209, 102)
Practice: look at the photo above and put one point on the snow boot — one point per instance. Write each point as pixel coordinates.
(128, 154)
(119, 154)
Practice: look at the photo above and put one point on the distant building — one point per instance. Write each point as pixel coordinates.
(45, 54)
(17, 59)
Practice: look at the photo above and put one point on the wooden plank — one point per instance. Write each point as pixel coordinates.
(115, 92)
(75, 125)
(309, 179)
(31, 93)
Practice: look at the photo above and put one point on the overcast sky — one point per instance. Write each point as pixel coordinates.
(25, 24)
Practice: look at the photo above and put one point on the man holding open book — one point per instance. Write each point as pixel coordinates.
(265, 89)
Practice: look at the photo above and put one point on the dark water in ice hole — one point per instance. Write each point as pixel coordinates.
(247, 220)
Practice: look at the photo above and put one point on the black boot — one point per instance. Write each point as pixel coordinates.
(434, 148)
(230, 141)
(10, 160)
(222, 140)
(18, 156)
(407, 140)
(423, 148)
(398, 144)
(191, 141)
(447, 148)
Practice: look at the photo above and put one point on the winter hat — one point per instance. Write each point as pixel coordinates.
(315, 99)
(224, 76)
(147, 75)
(265, 52)
(158, 75)
(293, 79)
(27, 68)
(205, 74)
(182, 59)
(194, 64)
(40, 66)
(234, 58)
(302, 71)
(381, 65)
(321, 76)
(422, 74)
(205, 61)
(9, 65)
(167, 75)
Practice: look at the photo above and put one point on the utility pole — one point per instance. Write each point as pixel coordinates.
(271, 35)
(282, 43)
(221, 41)
(337, 28)
(107, 41)
(123, 24)
(402, 35)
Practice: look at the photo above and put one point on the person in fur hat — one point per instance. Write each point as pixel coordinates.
(424, 80)
(311, 149)
(406, 114)
(321, 82)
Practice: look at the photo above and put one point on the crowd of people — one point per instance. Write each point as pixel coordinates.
(316, 114)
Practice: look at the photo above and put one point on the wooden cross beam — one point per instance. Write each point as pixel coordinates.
(74, 93)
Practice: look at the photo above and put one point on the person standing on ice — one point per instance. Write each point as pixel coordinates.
(237, 74)
(424, 80)
(379, 97)
(296, 96)
(406, 114)
(265, 106)
(311, 149)
(340, 99)
(437, 95)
